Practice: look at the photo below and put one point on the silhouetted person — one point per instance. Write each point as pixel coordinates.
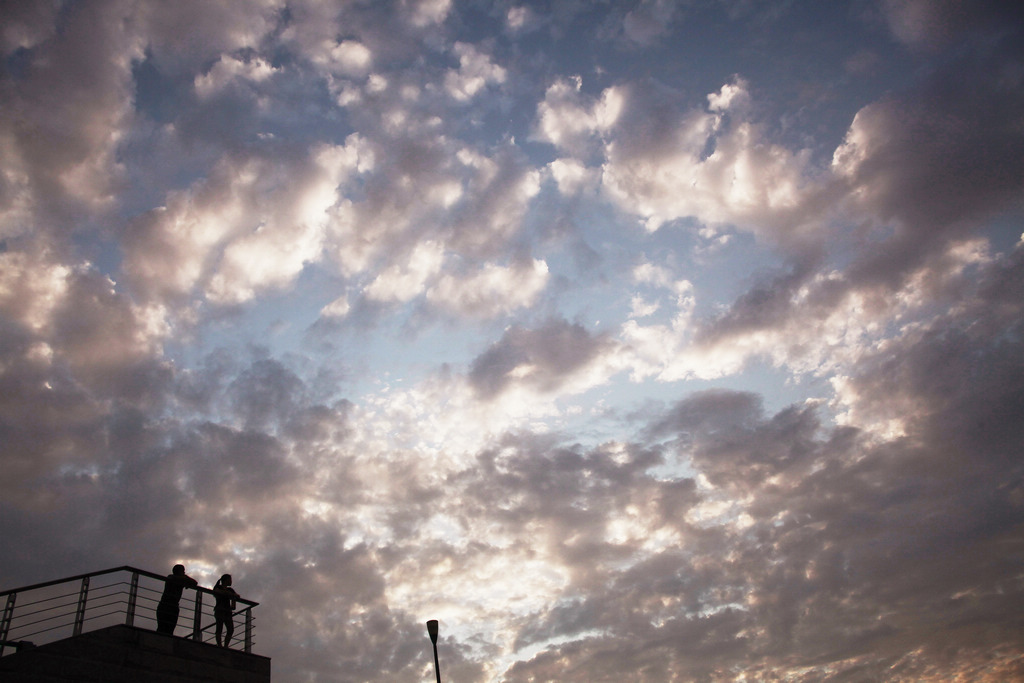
(223, 611)
(167, 609)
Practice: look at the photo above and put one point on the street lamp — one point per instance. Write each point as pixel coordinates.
(432, 630)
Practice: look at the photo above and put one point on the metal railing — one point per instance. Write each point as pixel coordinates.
(50, 611)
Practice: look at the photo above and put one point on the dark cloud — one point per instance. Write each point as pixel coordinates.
(727, 440)
(543, 358)
(932, 25)
(929, 164)
(265, 394)
(70, 100)
(854, 547)
(769, 303)
(26, 24)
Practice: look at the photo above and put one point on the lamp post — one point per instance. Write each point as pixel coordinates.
(432, 630)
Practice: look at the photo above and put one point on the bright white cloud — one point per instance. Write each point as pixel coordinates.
(491, 291)
(338, 308)
(253, 225)
(743, 181)
(475, 72)
(427, 12)
(77, 315)
(404, 282)
(573, 177)
(229, 69)
(568, 119)
(348, 57)
(519, 18)
(731, 96)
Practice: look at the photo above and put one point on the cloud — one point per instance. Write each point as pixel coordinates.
(520, 18)
(406, 281)
(193, 33)
(252, 225)
(458, 198)
(348, 57)
(663, 168)
(27, 25)
(569, 120)
(338, 308)
(799, 490)
(229, 69)
(573, 177)
(660, 165)
(649, 21)
(74, 103)
(474, 73)
(927, 165)
(905, 374)
(919, 181)
(75, 318)
(580, 465)
(810, 322)
(545, 358)
(491, 291)
(425, 12)
(932, 24)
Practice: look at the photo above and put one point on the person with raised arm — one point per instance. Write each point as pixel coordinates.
(223, 611)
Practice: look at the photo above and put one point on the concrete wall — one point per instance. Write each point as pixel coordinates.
(124, 654)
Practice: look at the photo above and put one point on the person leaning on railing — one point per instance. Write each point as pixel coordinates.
(167, 609)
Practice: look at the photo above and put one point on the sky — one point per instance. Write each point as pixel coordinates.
(633, 341)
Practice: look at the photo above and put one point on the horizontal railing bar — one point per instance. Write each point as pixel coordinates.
(25, 624)
(93, 605)
(49, 609)
(93, 617)
(119, 587)
(23, 605)
(98, 592)
(21, 626)
(45, 630)
(233, 615)
(78, 577)
(103, 572)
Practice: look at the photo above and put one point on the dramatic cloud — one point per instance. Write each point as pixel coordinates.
(628, 346)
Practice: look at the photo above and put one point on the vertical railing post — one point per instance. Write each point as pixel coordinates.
(133, 596)
(197, 633)
(83, 595)
(248, 631)
(5, 625)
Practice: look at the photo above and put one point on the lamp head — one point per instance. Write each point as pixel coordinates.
(432, 630)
